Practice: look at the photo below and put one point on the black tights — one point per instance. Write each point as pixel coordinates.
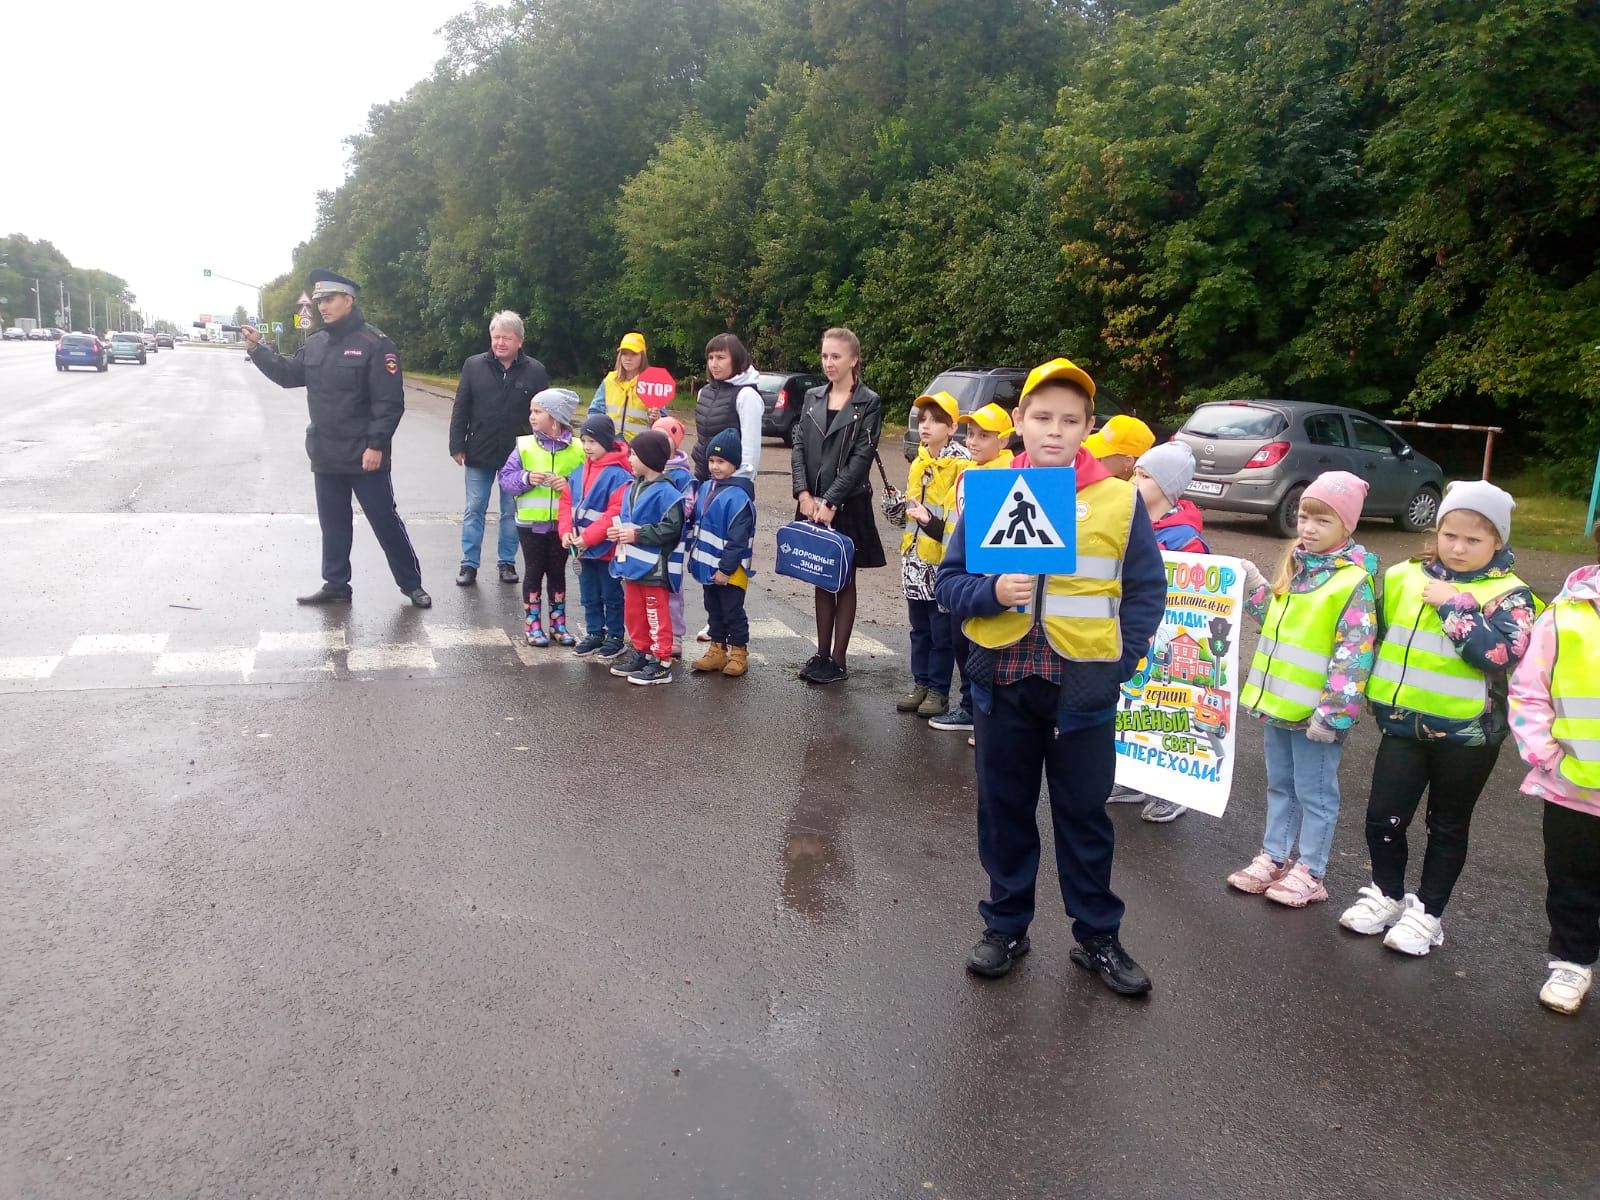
(836, 621)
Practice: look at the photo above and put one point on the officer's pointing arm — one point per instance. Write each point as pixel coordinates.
(285, 372)
(387, 394)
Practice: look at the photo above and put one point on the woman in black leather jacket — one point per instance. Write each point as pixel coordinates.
(835, 441)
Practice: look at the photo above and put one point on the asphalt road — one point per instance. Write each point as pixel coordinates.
(375, 903)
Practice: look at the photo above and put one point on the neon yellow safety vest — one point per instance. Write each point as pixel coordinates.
(1290, 669)
(627, 412)
(1081, 611)
(1575, 691)
(932, 482)
(1417, 666)
(542, 505)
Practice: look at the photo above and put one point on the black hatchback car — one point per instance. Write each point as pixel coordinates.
(781, 394)
(974, 387)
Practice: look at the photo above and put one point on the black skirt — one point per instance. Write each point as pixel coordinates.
(857, 519)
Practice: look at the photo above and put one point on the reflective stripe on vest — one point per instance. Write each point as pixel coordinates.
(1081, 611)
(542, 505)
(1290, 669)
(648, 506)
(716, 508)
(628, 413)
(1417, 665)
(1575, 691)
(596, 491)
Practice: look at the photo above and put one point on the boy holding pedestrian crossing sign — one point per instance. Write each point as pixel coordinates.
(1049, 655)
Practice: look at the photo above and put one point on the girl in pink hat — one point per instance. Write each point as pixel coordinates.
(1319, 626)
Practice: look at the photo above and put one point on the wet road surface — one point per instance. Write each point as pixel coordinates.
(373, 902)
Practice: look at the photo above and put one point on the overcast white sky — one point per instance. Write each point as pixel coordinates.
(207, 186)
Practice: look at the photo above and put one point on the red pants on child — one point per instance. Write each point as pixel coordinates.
(645, 612)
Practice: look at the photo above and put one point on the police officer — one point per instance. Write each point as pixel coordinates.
(351, 373)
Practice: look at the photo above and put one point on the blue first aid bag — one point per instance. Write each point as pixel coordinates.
(815, 554)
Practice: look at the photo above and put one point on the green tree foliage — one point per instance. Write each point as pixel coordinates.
(23, 261)
(1389, 204)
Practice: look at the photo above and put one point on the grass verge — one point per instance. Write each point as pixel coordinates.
(1544, 520)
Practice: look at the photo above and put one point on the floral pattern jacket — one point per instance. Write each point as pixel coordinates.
(1355, 637)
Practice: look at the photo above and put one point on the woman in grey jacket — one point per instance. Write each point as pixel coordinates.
(835, 441)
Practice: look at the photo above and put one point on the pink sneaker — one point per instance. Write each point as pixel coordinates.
(1261, 874)
(1298, 888)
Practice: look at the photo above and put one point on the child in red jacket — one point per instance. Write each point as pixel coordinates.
(587, 509)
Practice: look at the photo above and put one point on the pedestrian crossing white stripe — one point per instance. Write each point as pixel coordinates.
(771, 627)
(119, 643)
(302, 639)
(207, 662)
(406, 655)
(448, 636)
(38, 667)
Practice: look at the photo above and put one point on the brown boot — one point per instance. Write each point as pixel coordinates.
(738, 661)
(714, 659)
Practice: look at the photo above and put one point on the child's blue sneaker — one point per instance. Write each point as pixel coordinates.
(652, 671)
(589, 645)
(612, 649)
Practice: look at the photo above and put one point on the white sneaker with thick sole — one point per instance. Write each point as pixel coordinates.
(1415, 932)
(1373, 912)
(1567, 985)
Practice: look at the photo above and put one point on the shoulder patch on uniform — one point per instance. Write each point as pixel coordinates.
(391, 363)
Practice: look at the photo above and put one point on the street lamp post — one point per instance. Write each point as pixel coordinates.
(261, 298)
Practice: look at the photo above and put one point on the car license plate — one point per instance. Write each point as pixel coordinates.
(1204, 487)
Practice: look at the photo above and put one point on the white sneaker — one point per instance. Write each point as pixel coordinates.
(704, 635)
(1121, 793)
(1372, 913)
(1415, 932)
(1566, 987)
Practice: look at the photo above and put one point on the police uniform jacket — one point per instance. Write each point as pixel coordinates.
(351, 373)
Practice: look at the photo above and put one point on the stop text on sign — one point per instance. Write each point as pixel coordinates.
(657, 387)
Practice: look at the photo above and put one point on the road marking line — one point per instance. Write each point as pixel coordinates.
(314, 639)
(446, 636)
(119, 643)
(773, 627)
(40, 667)
(861, 641)
(207, 662)
(397, 656)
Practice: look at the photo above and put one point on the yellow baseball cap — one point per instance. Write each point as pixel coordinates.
(1059, 368)
(943, 401)
(1122, 434)
(990, 417)
(633, 342)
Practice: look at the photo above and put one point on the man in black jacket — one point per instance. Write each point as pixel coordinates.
(351, 373)
(491, 412)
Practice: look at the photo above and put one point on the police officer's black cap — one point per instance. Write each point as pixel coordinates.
(326, 283)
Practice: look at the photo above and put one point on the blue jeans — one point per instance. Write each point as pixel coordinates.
(481, 481)
(1302, 797)
(933, 653)
(601, 593)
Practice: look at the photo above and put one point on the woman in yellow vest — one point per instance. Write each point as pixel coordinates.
(929, 516)
(1455, 623)
(1318, 626)
(618, 394)
(1555, 717)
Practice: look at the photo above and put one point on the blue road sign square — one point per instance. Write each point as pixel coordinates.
(1021, 522)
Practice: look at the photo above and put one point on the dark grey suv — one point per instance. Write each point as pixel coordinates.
(1257, 456)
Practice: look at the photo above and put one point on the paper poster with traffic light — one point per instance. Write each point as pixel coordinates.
(1176, 723)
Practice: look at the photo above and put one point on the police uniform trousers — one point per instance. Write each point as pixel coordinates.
(1018, 738)
(375, 491)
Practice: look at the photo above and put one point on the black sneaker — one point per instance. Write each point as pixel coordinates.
(960, 718)
(1105, 955)
(812, 663)
(628, 663)
(508, 573)
(467, 576)
(589, 645)
(829, 671)
(420, 598)
(324, 597)
(995, 952)
(653, 670)
(613, 649)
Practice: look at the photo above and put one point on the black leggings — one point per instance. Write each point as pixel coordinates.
(543, 557)
(1572, 867)
(1454, 776)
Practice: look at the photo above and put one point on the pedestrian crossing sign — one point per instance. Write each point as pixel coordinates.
(1021, 522)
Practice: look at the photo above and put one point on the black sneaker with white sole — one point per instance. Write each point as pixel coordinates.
(653, 671)
(959, 718)
(1105, 956)
(589, 645)
(628, 664)
(613, 650)
(995, 952)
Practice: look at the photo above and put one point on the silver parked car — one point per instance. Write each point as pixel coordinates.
(1257, 456)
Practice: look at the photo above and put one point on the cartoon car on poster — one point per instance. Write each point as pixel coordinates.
(1211, 711)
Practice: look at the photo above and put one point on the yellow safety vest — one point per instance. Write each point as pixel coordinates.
(932, 481)
(1081, 611)
(1417, 666)
(1290, 669)
(541, 505)
(1575, 691)
(627, 412)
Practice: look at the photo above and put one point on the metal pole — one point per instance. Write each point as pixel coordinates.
(1594, 498)
(38, 314)
(1488, 453)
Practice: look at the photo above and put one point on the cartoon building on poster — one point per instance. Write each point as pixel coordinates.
(1175, 727)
